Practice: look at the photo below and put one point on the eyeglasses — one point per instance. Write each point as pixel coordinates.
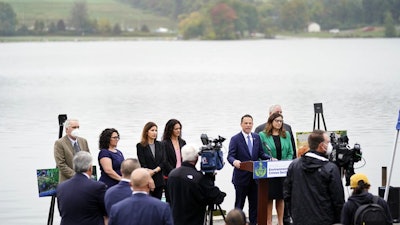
(116, 137)
(278, 121)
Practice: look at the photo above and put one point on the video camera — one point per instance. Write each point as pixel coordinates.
(211, 154)
(344, 156)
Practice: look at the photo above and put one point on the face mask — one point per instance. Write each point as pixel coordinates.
(329, 149)
(75, 133)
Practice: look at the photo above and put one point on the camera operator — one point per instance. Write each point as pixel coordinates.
(191, 191)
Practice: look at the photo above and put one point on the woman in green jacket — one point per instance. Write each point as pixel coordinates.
(276, 143)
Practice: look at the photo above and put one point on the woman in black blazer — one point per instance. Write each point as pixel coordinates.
(151, 155)
(173, 143)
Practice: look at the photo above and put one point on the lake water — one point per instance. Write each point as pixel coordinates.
(207, 85)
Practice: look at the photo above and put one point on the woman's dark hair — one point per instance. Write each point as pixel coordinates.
(144, 141)
(361, 187)
(269, 127)
(169, 128)
(105, 137)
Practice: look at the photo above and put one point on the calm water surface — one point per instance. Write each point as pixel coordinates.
(208, 86)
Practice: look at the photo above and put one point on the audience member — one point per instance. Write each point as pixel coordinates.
(313, 189)
(360, 196)
(151, 155)
(236, 217)
(80, 199)
(123, 189)
(245, 146)
(110, 158)
(66, 147)
(191, 191)
(141, 208)
(173, 142)
(276, 142)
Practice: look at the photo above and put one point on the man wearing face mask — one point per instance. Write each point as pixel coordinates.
(66, 147)
(313, 188)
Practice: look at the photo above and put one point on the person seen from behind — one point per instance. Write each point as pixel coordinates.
(313, 189)
(360, 196)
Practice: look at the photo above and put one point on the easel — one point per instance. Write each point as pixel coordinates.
(61, 119)
(318, 111)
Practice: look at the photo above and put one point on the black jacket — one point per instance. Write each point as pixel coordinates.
(170, 154)
(147, 160)
(190, 193)
(313, 190)
(354, 201)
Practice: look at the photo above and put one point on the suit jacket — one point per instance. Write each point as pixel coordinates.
(147, 160)
(80, 201)
(140, 209)
(64, 154)
(288, 128)
(170, 154)
(238, 150)
(117, 193)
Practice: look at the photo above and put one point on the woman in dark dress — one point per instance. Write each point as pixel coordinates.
(110, 158)
(276, 142)
(151, 155)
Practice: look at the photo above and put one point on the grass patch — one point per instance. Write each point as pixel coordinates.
(112, 10)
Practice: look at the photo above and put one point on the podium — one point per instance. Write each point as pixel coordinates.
(262, 170)
(262, 195)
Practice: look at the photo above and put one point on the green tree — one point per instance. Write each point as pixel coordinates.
(192, 26)
(294, 15)
(80, 17)
(61, 26)
(39, 27)
(390, 30)
(8, 19)
(117, 29)
(223, 18)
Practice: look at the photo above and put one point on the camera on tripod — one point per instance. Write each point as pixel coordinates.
(344, 156)
(211, 154)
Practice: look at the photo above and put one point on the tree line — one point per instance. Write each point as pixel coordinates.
(232, 19)
(227, 19)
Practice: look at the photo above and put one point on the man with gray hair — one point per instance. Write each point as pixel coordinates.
(190, 190)
(66, 147)
(80, 199)
(123, 189)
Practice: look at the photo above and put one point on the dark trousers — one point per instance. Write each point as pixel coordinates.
(249, 191)
(157, 193)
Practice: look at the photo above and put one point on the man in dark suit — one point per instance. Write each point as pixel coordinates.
(245, 146)
(123, 189)
(273, 109)
(141, 208)
(80, 199)
(66, 147)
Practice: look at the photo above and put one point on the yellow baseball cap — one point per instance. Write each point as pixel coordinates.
(356, 178)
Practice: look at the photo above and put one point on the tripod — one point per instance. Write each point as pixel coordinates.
(208, 218)
(317, 113)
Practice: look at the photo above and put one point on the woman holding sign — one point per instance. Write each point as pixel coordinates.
(276, 143)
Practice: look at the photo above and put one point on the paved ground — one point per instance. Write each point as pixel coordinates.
(218, 220)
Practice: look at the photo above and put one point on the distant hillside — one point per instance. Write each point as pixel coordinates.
(28, 11)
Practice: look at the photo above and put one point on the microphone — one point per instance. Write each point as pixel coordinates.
(268, 149)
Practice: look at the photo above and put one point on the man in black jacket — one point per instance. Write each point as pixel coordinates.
(313, 189)
(191, 191)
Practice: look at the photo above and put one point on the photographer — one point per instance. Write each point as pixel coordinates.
(191, 191)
